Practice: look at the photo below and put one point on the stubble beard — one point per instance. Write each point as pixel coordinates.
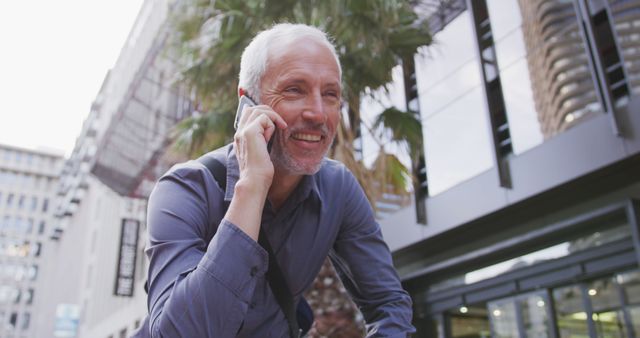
(285, 162)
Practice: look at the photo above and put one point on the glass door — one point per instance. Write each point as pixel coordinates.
(608, 314)
(534, 311)
(468, 322)
(523, 316)
(571, 315)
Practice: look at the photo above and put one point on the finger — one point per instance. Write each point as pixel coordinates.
(258, 132)
(252, 113)
(275, 118)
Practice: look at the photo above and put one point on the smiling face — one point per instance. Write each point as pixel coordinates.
(302, 84)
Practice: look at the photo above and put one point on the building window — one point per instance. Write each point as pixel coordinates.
(37, 249)
(13, 319)
(16, 296)
(6, 223)
(29, 228)
(26, 319)
(41, 228)
(9, 200)
(458, 144)
(34, 203)
(123, 333)
(17, 224)
(21, 202)
(28, 298)
(45, 205)
(33, 272)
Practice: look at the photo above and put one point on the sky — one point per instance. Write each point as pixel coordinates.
(53, 59)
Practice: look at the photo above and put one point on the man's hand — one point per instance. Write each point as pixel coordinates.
(255, 128)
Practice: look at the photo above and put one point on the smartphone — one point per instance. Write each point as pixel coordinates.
(246, 101)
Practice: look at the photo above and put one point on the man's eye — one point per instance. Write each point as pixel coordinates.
(331, 94)
(292, 90)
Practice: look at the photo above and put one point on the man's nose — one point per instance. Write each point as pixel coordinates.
(314, 109)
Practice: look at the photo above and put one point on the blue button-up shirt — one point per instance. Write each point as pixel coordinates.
(207, 277)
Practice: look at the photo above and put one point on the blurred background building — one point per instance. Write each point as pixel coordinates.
(28, 180)
(95, 264)
(526, 217)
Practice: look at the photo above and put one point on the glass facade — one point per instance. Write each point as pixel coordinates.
(511, 54)
(626, 27)
(454, 115)
(540, 55)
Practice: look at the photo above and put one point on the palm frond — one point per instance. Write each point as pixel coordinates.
(404, 127)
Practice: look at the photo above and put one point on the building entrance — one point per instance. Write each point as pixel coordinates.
(607, 307)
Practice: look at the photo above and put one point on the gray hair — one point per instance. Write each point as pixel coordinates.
(255, 57)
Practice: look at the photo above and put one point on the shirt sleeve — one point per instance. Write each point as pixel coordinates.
(197, 288)
(363, 262)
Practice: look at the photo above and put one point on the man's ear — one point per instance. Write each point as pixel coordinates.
(241, 91)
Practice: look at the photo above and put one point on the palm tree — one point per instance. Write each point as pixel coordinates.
(371, 38)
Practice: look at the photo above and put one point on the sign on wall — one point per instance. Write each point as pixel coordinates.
(67, 316)
(126, 268)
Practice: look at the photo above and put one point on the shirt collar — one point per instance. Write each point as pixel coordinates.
(308, 185)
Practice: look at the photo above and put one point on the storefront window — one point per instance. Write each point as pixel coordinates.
(503, 320)
(630, 283)
(571, 316)
(469, 322)
(535, 320)
(605, 301)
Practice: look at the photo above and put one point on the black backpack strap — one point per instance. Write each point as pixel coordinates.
(216, 168)
(279, 287)
(274, 274)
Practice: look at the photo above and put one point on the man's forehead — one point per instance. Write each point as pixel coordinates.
(302, 48)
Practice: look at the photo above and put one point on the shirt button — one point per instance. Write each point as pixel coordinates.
(252, 305)
(254, 271)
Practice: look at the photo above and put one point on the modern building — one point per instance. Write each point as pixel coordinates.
(531, 123)
(28, 180)
(559, 66)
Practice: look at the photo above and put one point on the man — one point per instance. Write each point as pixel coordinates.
(207, 271)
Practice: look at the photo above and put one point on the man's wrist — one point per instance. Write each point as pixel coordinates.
(245, 210)
(252, 188)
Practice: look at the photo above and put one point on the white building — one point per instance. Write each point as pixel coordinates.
(27, 187)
